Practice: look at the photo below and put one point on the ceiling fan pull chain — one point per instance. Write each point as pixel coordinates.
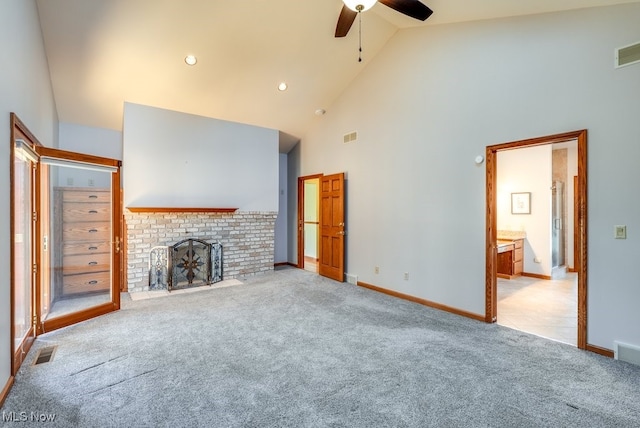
(359, 36)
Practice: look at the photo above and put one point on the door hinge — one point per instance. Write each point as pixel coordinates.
(35, 216)
(35, 269)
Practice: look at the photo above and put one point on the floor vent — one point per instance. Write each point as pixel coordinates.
(350, 137)
(45, 355)
(626, 352)
(628, 55)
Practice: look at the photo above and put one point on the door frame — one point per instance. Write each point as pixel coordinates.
(19, 129)
(43, 326)
(580, 238)
(300, 218)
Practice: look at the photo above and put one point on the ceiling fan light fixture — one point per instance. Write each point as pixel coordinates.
(359, 5)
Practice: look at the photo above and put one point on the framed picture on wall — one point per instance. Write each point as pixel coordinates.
(521, 203)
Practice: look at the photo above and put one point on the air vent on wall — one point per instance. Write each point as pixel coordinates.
(628, 55)
(350, 137)
(626, 352)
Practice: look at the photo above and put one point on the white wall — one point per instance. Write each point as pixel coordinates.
(89, 140)
(433, 99)
(527, 170)
(293, 172)
(281, 232)
(25, 89)
(173, 159)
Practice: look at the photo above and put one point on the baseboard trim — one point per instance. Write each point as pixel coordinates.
(422, 301)
(600, 350)
(285, 264)
(6, 389)
(536, 275)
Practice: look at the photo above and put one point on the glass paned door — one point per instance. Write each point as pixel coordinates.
(22, 252)
(79, 201)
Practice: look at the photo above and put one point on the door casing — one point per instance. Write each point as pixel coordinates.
(300, 219)
(491, 296)
(19, 130)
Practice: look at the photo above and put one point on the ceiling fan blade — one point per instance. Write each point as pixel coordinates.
(412, 8)
(345, 20)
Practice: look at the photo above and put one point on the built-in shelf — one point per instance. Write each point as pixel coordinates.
(180, 210)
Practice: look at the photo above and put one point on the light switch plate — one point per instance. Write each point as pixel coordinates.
(620, 232)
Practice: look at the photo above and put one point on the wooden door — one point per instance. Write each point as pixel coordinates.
(332, 229)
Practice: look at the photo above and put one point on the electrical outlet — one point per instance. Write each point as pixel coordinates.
(537, 260)
(91, 182)
(69, 181)
(406, 276)
(376, 270)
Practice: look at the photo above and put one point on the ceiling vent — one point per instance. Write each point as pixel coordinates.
(628, 55)
(350, 137)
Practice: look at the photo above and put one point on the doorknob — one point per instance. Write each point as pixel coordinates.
(342, 232)
(341, 224)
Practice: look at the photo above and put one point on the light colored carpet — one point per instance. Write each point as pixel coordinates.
(292, 349)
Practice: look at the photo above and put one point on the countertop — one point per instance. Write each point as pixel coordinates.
(510, 235)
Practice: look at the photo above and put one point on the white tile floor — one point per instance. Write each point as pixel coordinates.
(547, 308)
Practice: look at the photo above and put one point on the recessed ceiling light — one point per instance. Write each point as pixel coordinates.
(282, 86)
(190, 59)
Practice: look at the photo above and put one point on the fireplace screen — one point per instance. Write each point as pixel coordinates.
(188, 263)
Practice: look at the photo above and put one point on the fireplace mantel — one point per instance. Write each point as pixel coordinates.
(180, 210)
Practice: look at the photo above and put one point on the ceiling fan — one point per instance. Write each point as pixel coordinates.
(351, 8)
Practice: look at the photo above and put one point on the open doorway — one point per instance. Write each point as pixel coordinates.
(308, 222)
(521, 203)
(311, 224)
(537, 290)
(321, 224)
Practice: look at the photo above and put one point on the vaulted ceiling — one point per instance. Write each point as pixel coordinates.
(103, 53)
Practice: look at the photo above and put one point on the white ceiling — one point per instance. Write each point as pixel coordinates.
(103, 53)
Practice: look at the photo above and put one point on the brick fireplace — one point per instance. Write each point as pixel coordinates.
(247, 238)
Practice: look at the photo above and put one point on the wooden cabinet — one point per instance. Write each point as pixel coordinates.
(83, 230)
(517, 257)
(510, 258)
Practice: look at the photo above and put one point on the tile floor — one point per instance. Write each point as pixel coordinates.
(546, 308)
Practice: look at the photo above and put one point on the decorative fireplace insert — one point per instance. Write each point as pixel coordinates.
(188, 263)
